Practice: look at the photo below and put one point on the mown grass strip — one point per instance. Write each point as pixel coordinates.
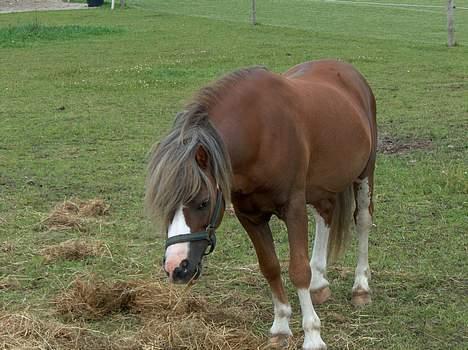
(26, 34)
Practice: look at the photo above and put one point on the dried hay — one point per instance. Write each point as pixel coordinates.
(173, 318)
(194, 332)
(92, 300)
(74, 214)
(25, 331)
(93, 208)
(74, 249)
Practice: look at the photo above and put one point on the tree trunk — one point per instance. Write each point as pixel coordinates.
(450, 24)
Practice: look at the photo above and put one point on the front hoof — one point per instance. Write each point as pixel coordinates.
(320, 296)
(360, 297)
(319, 345)
(278, 341)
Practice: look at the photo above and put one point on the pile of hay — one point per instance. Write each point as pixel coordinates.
(74, 249)
(172, 318)
(91, 299)
(74, 214)
(25, 331)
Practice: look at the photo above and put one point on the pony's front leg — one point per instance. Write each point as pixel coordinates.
(300, 272)
(261, 237)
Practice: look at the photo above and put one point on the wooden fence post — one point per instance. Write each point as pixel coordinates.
(254, 13)
(450, 24)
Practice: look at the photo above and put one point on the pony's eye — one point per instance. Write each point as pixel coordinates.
(203, 205)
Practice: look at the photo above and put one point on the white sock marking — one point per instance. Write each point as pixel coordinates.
(318, 263)
(363, 226)
(179, 251)
(310, 322)
(282, 316)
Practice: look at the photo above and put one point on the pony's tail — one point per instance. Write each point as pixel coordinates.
(342, 221)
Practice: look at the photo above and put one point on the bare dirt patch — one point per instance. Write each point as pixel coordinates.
(393, 145)
(9, 6)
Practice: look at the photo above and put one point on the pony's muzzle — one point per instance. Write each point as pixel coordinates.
(185, 272)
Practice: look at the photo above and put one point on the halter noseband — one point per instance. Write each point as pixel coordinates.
(208, 234)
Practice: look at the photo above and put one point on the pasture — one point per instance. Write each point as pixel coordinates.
(83, 96)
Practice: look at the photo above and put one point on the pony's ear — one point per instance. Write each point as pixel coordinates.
(201, 156)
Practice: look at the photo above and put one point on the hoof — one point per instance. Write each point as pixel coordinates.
(319, 345)
(320, 296)
(279, 341)
(360, 297)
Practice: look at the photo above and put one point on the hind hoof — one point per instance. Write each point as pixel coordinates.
(320, 296)
(360, 297)
(279, 341)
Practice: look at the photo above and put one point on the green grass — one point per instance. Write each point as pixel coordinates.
(22, 35)
(78, 118)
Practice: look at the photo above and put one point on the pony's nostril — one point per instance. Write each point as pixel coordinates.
(179, 273)
(184, 264)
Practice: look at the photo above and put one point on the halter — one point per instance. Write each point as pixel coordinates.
(208, 234)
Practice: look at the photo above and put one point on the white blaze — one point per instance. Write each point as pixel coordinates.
(179, 251)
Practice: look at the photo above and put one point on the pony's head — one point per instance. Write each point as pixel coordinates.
(187, 187)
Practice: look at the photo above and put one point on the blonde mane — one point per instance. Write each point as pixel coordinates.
(174, 176)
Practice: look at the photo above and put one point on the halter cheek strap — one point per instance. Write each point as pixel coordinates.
(208, 234)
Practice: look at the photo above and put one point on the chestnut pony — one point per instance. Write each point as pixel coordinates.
(271, 144)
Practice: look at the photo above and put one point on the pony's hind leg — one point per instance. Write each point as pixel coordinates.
(319, 286)
(261, 237)
(361, 294)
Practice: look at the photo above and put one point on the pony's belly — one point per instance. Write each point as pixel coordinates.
(316, 193)
(334, 174)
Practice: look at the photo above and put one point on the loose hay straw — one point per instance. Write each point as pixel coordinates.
(172, 318)
(74, 249)
(74, 214)
(25, 331)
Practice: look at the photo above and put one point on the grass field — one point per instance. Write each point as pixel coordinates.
(84, 94)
